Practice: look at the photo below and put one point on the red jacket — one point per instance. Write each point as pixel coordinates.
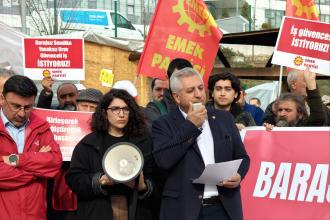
(23, 188)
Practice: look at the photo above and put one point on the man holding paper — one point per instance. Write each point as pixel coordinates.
(185, 141)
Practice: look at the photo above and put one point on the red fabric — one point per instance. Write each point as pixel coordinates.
(63, 198)
(23, 188)
(305, 9)
(180, 29)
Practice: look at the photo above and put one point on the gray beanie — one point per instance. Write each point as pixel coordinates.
(90, 95)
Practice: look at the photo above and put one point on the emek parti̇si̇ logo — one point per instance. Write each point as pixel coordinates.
(298, 61)
(195, 15)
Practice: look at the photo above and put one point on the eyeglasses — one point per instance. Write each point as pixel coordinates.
(16, 107)
(116, 110)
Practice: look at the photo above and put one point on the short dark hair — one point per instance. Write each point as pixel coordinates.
(136, 121)
(235, 83)
(20, 85)
(177, 63)
(297, 99)
(153, 83)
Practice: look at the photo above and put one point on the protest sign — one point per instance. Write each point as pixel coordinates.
(303, 44)
(61, 59)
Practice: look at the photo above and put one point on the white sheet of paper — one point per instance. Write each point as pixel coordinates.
(217, 172)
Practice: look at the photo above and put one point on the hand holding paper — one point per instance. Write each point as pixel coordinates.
(225, 173)
(232, 182)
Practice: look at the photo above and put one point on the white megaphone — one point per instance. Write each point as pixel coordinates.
(122, 162)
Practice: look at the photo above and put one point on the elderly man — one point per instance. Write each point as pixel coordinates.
(184, 144)
(290, 108)
(88, 99)
(28, 153)
(302, 83)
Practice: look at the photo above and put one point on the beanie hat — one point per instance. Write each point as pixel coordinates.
(90, 95)
(126, 85)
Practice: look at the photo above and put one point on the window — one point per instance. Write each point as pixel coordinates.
(274, 17)
(121, 21)
(325, 18)
(92, 4)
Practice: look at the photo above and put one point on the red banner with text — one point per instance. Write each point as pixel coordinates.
(68, 127)
(180, 29)
(289, 174)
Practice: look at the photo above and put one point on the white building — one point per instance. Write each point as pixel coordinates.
(140, 11)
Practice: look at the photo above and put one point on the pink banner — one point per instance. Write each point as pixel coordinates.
(68, 127)
(289, 175)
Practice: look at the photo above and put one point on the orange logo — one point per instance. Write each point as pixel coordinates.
(298, 61)
(305, 8)
(196, 15)
(46, 73)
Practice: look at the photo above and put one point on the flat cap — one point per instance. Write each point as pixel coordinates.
(90, 95)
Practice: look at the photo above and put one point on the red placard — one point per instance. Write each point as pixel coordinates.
(303, 44)
(289, 174)
(180, 29)
(62, 59)
(68, 127)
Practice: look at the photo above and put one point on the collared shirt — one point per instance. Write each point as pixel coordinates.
(206, 147)
(16, 133)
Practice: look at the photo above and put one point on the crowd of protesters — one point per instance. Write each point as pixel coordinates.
(176, 139)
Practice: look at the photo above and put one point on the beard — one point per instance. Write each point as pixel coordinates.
(282, 122)
(69, 107)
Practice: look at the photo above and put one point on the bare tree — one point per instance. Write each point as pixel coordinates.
(44, 16)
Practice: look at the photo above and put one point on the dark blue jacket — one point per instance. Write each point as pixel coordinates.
(177, 152)
(256, 112)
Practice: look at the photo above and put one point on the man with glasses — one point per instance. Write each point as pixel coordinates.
(28, 153)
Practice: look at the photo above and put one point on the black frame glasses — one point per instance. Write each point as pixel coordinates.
(16, 107)
(116, 110)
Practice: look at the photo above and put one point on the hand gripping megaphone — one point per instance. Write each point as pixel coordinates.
(122, 162)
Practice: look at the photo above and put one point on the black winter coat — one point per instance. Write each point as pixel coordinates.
(94, 200)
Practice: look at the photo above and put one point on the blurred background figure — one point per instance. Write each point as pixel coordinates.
(4, 75)
(88, 99)
(255, 101)
(158, 88)
(128, 86)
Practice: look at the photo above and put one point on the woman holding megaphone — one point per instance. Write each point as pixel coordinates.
(118, 134)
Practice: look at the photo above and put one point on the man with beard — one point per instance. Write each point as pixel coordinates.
(290, 108)
(67, 94)
(302, 82)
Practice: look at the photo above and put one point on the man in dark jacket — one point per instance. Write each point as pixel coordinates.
(184, 144)
(290, 108)
(304, 84)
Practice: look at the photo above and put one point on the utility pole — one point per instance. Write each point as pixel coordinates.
(23, 16)
(55, 31)
(116, 14)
